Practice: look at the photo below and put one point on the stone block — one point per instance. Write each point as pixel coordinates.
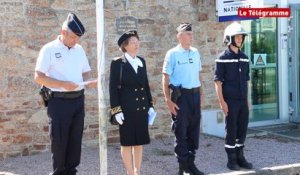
(40, 117)
(39, 147)
(22, 138)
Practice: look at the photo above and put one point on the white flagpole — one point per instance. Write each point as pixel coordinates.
(101, 84)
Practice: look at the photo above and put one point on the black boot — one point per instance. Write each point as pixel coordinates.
(232, 162)
(192, 166)
(241, 160)
(184, 168)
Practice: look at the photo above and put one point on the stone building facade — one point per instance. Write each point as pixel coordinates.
(26, 25)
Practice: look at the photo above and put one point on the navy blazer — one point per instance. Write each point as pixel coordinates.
(129, 92)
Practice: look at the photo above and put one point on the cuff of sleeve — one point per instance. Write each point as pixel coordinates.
(115, 110)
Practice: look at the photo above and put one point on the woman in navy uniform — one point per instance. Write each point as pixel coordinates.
(130, 101)
(231, 81)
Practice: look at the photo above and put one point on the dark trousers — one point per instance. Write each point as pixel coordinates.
(186, 126)
(236, 124)
(66, 120)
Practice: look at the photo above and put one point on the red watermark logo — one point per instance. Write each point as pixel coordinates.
(264, 12)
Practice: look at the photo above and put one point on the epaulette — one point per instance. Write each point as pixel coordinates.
(117, 58)
(120, 58)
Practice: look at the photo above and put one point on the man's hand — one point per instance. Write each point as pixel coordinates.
(224, 107)
(70, 86)
(172, 107)
(92, 83)
(201, 99)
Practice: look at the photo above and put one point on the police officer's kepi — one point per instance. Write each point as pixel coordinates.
(184, 27)
(126, 35)
(75, 25)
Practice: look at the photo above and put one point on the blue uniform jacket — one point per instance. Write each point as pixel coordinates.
(233, 71)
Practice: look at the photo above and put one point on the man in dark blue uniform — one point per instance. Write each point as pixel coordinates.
(181, 73)
(62, 67)
(231, 81)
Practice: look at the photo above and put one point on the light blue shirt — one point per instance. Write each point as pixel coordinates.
(183, 66)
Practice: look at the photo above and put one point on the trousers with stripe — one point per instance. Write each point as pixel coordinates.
(236, 124)
(186, 126)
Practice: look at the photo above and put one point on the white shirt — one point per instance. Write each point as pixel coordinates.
(61, 63)
(134, 62)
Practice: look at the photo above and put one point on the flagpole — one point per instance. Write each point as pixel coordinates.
(103, 115)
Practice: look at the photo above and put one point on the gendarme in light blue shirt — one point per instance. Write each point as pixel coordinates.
(183, 66)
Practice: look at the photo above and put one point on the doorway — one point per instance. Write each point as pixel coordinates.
(261, 47)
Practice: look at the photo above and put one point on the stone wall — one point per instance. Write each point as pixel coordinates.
(26, 25)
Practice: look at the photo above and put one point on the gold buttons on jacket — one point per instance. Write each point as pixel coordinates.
(137, 99)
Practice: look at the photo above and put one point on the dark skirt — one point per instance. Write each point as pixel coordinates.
(134, 130)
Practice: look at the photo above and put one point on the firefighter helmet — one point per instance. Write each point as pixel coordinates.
(232, 30)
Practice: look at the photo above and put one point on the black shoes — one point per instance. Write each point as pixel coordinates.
(192, 167)
(232, 162)
(237, 160)
(184, 168)
(189, 168)
(241, 160)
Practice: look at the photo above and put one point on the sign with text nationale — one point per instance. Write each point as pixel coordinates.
(227, 10)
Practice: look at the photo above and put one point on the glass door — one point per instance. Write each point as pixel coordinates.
(261, 47)
(294, 63)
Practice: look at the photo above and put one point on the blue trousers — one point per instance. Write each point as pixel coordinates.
(66, 121)
(186, 126)
(236, 124)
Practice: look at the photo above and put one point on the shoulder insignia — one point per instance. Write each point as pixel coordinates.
(117, 58)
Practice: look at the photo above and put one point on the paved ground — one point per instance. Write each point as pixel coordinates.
(269, 155)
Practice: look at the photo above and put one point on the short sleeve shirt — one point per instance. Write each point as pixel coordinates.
(183, 66)
(57, 61)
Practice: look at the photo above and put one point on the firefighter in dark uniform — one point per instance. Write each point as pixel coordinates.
(181, 73)
(130, 101)
(62, 67)
(231, 81)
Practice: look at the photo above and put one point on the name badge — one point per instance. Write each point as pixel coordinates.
(57, 55)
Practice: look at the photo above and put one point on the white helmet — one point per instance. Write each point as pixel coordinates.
(232, 30)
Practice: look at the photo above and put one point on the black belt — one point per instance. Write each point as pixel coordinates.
(190, 91)
(70, 95)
